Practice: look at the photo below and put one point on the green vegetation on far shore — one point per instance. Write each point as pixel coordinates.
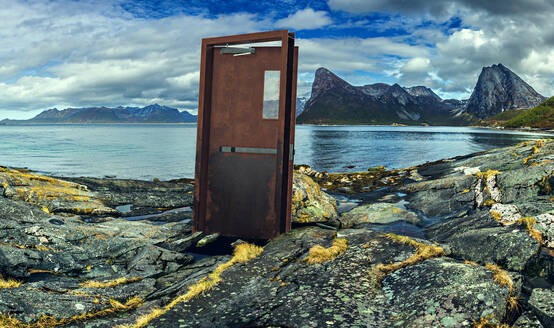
(540, 117)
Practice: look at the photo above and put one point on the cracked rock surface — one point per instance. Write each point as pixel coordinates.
(491, 213)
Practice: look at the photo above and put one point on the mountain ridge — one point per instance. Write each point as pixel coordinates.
(335, 101)
(149, 114)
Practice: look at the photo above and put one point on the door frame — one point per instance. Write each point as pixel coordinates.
(287, 105)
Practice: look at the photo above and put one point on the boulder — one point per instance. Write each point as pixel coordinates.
(542, 304)
(379, 213)
(309, 203)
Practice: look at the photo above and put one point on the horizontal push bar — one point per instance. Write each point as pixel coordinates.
(248, 150)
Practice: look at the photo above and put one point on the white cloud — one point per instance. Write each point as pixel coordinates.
(417, 65)
(74, 54)
(305, 19)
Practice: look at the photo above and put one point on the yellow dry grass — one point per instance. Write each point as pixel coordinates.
(513, 304)
(470, 262)
(242, 254)
(529, 223)
(110, 283)
(485, 323)
(500, 276)
(422, 253)
(320, 254)
(9, 283)
(45, 321)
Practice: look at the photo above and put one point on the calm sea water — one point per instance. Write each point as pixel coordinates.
(167, 151)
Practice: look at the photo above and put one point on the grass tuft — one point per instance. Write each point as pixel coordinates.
(242, 254)
(10, 283)
(422, 253)
(500, 276)
(513, 304)
(110, 283)
(319, 254)
(46, 321)
(485, 323)
(529, 223)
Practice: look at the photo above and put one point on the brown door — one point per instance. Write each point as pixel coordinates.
(245, 169)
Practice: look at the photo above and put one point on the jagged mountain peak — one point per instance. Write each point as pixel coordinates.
(325, 80)
(422, 91)
(498, 89)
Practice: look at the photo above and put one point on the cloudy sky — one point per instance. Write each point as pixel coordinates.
(63, 53)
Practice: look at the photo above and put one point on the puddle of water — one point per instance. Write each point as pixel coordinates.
(399, 228)
(124, 208)
(147, 216)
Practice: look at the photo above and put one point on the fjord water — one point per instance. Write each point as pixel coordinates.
(167, 151)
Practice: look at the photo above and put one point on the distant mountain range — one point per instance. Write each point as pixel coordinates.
(149, 114)
(335, 101)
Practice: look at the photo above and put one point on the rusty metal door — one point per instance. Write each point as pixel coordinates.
(245, 138)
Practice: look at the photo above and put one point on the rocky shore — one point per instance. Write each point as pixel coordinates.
(462, 242)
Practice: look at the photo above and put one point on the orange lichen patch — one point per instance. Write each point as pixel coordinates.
(242, 254)
(110, 283)
(500, 276)
(529, 223)
(487, 174)
(37, 247)
(465, 191)
(46, 210)
(45, 321)
(320, 254)
(542, 163)
(489, 202)
(496, 215)
(9, 283)
(534, 150)
(422, 253)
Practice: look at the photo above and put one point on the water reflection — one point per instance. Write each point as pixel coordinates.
(356, 148)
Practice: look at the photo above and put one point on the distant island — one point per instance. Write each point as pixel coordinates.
(335, 101)
(149, 114)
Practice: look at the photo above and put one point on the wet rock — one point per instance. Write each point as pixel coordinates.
(542, 304)
(309, 203)
(478, 237)
(207, 240)
(141, 194)
(380, 213)
(441, 197)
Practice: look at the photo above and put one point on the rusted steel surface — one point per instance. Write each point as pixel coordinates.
(243, 167)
